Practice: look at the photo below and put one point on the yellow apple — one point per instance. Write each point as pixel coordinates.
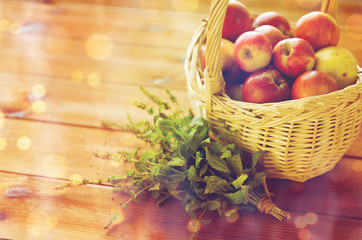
(338, 62)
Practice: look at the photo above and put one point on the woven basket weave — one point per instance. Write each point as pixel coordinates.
(302, 138)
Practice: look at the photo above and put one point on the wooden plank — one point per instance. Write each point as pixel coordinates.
(132, 64)
(82, 212)
(121, 25)
(60, 151)
(78, 102)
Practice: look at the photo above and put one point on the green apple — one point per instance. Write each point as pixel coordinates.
(338, 62)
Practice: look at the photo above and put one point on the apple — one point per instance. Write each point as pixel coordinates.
(230, 70)
(318, 28)
(274, 19)
(274, 34)
(237, 20)
(313, 83)
(252, 51)
(293, 56)
(265, 85)
(338, 62)
(234, 91)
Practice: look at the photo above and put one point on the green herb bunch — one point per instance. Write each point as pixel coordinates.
(185, 163)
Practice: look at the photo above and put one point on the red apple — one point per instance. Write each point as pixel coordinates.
(318, 28)
(274, 34)
(313, 83)
(293, 56)
(230, 70)
(237, 20)
(252, 51)
(265, 85)
(274, 19)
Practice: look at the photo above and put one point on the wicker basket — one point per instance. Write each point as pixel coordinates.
(303, 138)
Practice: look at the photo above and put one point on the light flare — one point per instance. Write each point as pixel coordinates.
(76, 177)
(300, 222)
(304, 234)
(39, 106)
(357, 165)
(23, 143)
(3, 143)
(77, 76)
(38, 91)
(193, 225)
(99, 47)
(15, 28)
(93, 79)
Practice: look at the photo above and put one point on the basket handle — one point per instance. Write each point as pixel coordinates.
(212, 72)
(330, 7)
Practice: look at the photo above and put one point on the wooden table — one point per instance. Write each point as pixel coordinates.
(67, 65)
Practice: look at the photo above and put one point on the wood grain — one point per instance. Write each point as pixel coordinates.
(45, 42)
(81, 213)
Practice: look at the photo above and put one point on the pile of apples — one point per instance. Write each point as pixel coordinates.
(263, 60)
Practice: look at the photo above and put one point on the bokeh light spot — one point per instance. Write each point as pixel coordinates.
(39, 106)
(233, 217)
(23, 143)
(15, 28)
(193, 225)
(300, 222)
(76, 177)
(99, 47)
(38, 91)
(3, 143)
(4, 24)
(93, 79)
(118, 215)
(311, 218)
(357, 165)
(304, 234)
(77, 76)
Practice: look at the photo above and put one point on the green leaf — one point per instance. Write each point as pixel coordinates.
(176, 161)
(191, 173)
(149, 155)
(216, 163)
(178, 194)
(155, 170)
(203, 170)
(162, 199)
(226, 154)
(255, 158)
(212, 205)
(237, 183)
(215, 184)
(236, 164)
(166, 125)
(217, 148)
(130, 172)
(198, 159)
(236, 197)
